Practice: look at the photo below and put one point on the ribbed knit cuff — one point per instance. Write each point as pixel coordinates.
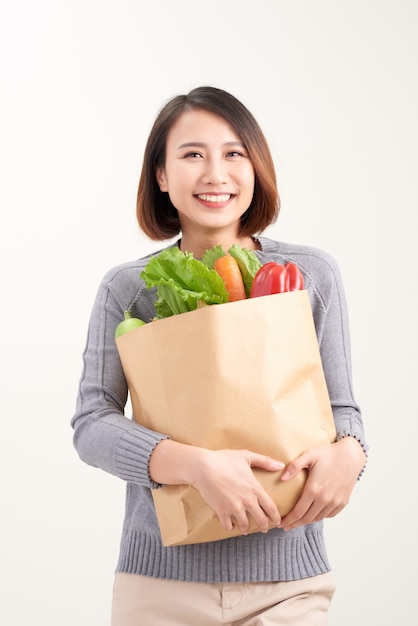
(342, 435)
(133, 454)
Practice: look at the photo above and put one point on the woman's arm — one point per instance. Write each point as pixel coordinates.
(103, 436)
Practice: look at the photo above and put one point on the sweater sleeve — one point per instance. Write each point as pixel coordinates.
(103, 436)
(332, 324)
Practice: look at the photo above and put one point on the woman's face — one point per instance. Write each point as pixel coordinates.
(207, 173)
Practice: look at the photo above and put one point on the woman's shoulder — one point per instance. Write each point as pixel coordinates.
(309, 258)
(124, 274)
(123, 283)
(308, 255)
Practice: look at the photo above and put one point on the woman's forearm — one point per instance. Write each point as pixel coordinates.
(174, 463)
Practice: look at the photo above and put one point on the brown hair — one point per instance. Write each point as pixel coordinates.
(156, 215)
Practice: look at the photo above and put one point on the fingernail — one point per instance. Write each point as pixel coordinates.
(280, 464)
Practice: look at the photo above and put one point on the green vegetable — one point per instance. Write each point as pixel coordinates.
(248, 263)
(183, 283)
(247, 260)
(212, 255)
(128, 324)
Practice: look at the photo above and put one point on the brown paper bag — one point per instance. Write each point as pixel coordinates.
(240, 375)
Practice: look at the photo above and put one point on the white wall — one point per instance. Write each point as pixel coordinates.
(334, 85)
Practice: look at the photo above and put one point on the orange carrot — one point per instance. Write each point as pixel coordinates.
(229, 271)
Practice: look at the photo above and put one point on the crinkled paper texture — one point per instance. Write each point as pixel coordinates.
(245, 374)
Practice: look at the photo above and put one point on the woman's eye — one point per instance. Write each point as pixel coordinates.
(234, 153)
(193, 155)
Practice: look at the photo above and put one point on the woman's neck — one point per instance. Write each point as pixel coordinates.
(199, 244)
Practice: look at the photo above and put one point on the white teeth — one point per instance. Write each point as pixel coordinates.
(209, 198)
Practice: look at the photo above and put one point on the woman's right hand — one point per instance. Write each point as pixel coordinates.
(224, 478)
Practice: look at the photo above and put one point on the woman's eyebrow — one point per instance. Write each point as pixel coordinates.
(199, 144)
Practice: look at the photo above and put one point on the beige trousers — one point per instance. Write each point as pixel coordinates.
(145, 601)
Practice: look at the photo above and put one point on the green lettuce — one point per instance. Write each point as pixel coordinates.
(211, 255)
(183, 283)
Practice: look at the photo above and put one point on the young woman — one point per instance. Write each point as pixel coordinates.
(208, 177)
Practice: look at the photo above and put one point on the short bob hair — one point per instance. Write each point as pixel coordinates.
(156, 215)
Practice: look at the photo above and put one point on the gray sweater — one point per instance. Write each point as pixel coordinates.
(104, 437)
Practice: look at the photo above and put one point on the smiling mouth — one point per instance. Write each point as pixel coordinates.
(207, 197)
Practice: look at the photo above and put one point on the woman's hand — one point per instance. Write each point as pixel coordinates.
(333, 472)
(227, 483)
(224, 478)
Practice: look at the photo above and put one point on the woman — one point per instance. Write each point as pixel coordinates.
(208, 174)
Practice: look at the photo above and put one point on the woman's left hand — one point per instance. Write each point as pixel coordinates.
(333, 470)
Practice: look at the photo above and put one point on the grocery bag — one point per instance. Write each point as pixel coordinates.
(241, 375)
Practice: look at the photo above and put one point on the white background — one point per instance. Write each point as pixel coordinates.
(334, 86)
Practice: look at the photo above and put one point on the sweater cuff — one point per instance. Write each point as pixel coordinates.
(347, 433)
(133, 453)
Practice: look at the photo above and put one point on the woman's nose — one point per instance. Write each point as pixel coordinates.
(215, 172)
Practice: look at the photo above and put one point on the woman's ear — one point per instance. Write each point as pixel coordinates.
(161, 179)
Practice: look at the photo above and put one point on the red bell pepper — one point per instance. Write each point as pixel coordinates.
(270, 278)
(295, 277)
(274, 278)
